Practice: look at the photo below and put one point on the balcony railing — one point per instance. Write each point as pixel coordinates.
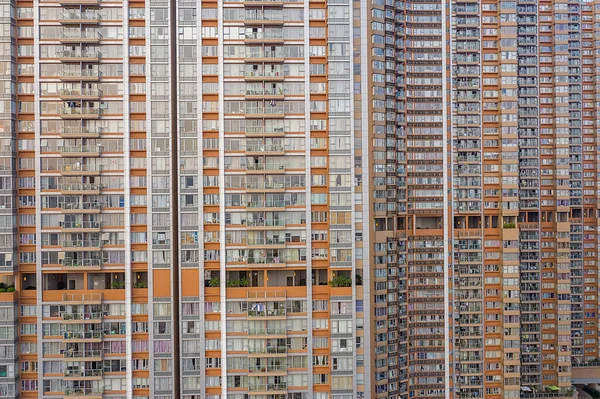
(266, 331)
(82, 335)
(77, 149)
(82, 73)
(265, 166)
(273, 368)
(79, 93)
(83, 392)
(83, 111)
(80, 187)
(83, 373)
(71, 354)
(81, 244)
(78, 34)
(266, 313)
(82, 262)
(81, 168)
(80, 206)
(79, 54)
(82, 316)
(268, 387)
(91, 16)
(81, 225)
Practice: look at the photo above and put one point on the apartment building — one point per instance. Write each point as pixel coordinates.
(269, 199)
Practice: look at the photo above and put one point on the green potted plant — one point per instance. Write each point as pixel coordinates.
(116, 284)
(214, 282)
(244, 282)
(11, 289)
(341, 281)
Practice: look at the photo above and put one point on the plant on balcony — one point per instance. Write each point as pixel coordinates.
(509, 225)
(358, 278)
(341, 281)
(115, 285)
(2, 289)
(10, 289)
(140, 284)
(244, 282)
(214, 282)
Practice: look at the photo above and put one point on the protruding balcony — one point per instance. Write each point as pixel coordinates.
(85, 299)
(259, 3)
(83, 132)
(83, 393)
(256, 54)
(271, 75)
(88, 245)
(85, 336)
(263, 17)
(261, 131)
(80, 170)
(87, 355)
(80, 94)
(268, 369)
(268, 111)
(266, 94)
(81, 227)
(80, 75)
(92, 317)
(267, 389)
(76, 17)
(79, 55)
(79, 2)
(88, 263)
(261, 149)
(80, 151)
(69, 36)
(80, 207)
(80, 113)
(260, 168)
(263, 37)
(74, 374)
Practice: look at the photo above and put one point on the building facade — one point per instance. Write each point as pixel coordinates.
(271, 199)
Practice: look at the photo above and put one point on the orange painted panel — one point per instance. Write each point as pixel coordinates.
(162, 283)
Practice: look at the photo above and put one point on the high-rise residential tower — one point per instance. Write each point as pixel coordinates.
(326, 199)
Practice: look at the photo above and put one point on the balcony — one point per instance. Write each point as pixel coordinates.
(258, 3)
(90, 356)
(259, 149)
(267, 332)
(266, 56)
(76, 374)
(92, 264)
(84, 132)
(88, 336)
(80, 151)
(94, 317)
(83, 207)
(79, 2)
(86, 299)
(80, 113)
(263, 37)
(260, 131)
(272, 76)
(88, 245)
(79, 94)
(80, 36)
(268, 369)
(80, 75)
(267, 389)
(261, 312)
(81, 227)
(265, 112)
(79, 55)
(80, 188)
(265, 168)
(79, 17)
(80, 170)
(83, 393)
(267, 94)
